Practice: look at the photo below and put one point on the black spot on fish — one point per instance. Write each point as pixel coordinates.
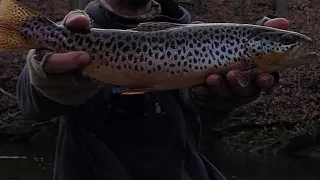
(154, 39)
(216, 44)
(196, 52)
(204, 49)
(195, 60)
(162, 57)
(123, 58)
(143, 38)
(175, 57)
(130, 57)
(119, 67)
(155, 47)
(149, 71)
(223, 49)
(128, 38)
(150, 52)
(134, 45)
(166, 45)
(158, 67)
(230, 51)
(185, 34)
(105, 36)
(156, 55)
(145, 48)
(161, 40)
(120, 44)
(185, 63)
(169, 54)
(126, 49)
(172, 45)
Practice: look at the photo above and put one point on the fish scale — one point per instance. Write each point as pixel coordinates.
(159, 55)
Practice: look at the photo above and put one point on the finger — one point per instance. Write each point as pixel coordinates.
(77, 20)
(217, 84)
(280, 23)
(265, 81)
(64, 62)
(200, 90)
(247, 91)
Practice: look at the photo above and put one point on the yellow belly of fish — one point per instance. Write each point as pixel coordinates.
(160, 80)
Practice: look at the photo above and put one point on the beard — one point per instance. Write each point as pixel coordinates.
(138, 3)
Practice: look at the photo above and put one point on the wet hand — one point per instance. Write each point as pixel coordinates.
(228, 90)
(64, 62)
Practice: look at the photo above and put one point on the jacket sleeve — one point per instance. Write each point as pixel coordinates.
(42, 97)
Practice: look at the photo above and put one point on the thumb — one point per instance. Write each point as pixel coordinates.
(64, 62)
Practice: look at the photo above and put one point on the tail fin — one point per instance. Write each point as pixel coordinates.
(13, 15)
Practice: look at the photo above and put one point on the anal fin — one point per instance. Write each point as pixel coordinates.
(136, 91)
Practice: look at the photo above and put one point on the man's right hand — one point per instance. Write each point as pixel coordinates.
(64, 62)
(49, 71)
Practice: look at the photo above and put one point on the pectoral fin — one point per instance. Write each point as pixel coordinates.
(244, 77)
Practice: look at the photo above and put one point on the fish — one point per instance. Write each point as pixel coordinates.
(159, 56)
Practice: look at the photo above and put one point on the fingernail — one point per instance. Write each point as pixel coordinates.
(71, 17)
(83, 58)
(267, 81)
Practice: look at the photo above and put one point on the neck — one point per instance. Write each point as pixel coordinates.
(129, 8)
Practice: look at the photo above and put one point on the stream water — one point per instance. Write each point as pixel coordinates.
(29, 162)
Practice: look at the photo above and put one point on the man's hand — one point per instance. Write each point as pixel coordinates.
(229, 90)
(64, 62)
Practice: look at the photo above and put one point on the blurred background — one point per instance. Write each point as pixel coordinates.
(275, 137)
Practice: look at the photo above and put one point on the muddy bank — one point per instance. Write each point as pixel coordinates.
(285, 121)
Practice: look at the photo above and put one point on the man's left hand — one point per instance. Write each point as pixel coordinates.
(227, 88)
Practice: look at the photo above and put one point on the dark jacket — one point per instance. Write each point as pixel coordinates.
(113, 137)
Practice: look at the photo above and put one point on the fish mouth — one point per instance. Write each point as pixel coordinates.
(301, 56)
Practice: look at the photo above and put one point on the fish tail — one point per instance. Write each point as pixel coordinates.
(13, 15)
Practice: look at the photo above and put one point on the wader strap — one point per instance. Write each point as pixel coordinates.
(174, 111)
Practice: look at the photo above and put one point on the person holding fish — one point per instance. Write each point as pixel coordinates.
(106, 135)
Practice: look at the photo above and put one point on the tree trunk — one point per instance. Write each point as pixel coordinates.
(281, 7)
(77, 4)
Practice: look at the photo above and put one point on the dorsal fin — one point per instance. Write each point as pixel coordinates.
(156, 26)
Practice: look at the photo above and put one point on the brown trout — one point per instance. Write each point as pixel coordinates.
(158, 55)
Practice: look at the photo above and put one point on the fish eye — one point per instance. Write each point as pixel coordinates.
(287, 39)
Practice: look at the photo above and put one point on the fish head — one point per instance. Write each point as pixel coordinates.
(274, 49)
